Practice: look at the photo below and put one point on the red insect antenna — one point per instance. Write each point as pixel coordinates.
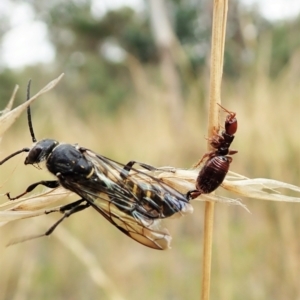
(231, 114)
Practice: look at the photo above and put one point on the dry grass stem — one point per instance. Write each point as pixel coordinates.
(216, 66)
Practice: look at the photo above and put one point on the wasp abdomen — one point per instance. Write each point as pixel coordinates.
(151, 201)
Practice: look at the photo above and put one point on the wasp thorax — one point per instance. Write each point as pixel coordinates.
(40, 151)
(66, 159)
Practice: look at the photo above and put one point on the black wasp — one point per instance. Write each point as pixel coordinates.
(130, 199)
(218, 162)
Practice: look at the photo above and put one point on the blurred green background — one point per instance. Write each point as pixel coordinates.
(136, 88)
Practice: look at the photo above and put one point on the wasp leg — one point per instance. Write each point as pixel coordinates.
(127, 168)
(49, 183)
(67, 210)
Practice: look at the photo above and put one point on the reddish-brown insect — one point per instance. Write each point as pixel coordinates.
(218, 162)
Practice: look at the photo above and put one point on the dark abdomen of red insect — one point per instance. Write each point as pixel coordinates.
(213, 174)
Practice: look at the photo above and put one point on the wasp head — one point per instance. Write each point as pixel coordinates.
(40, 151)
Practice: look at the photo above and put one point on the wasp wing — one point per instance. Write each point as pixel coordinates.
(138, 227)
(146, 232)
(128, 203)
(138, 190)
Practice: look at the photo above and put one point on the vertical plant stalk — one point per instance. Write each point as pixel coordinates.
(220, 8)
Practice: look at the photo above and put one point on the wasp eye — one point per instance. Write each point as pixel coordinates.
(40, 151)
(33, 156)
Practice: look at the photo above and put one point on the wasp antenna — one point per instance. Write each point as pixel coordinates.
(29, 113)
(14, 154)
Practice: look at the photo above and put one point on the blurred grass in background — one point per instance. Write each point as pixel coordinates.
(121, 110)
